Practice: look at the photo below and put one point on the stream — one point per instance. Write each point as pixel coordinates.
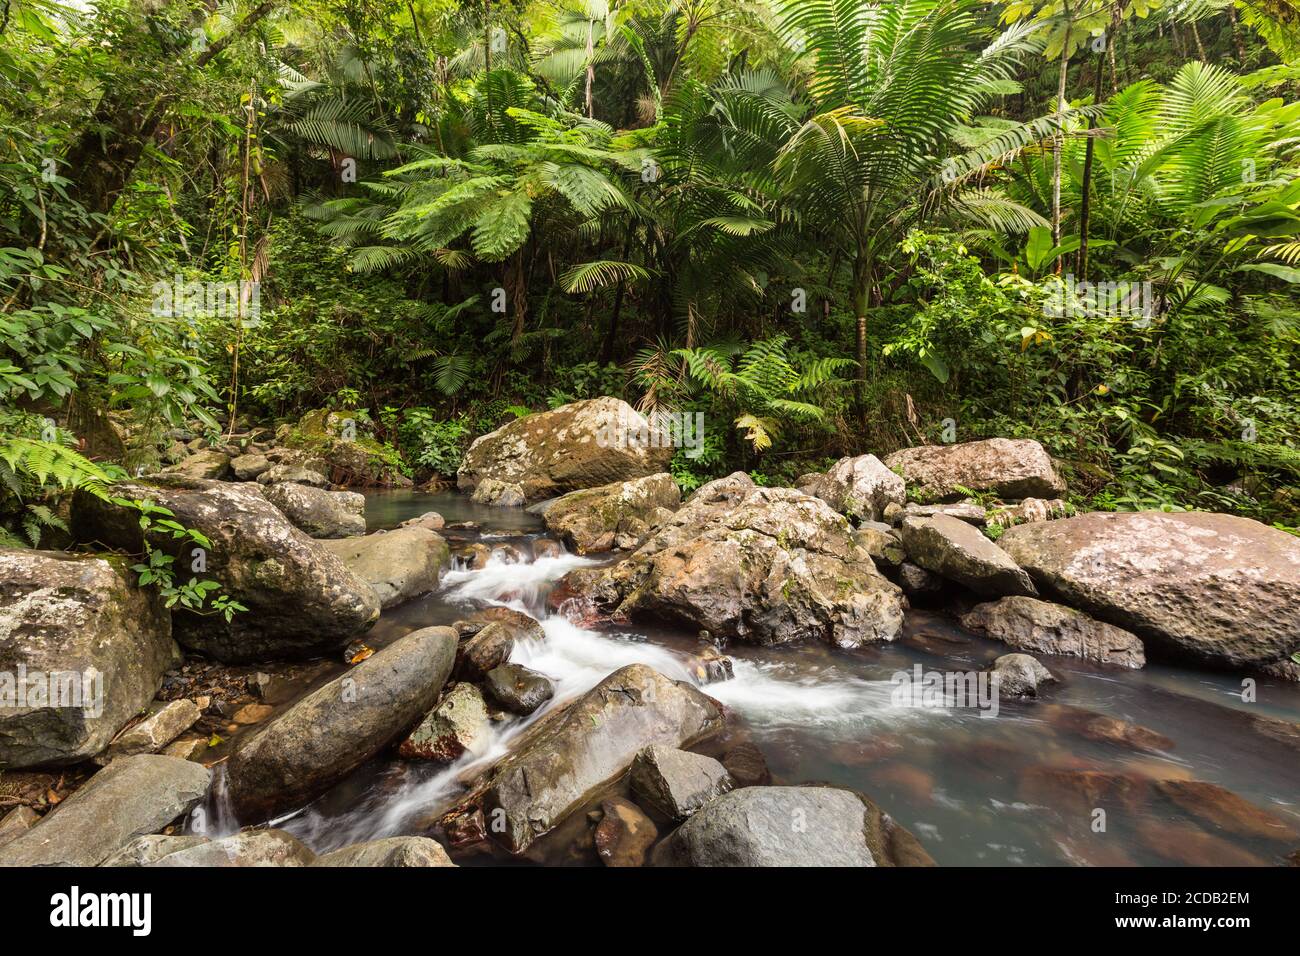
(960, 780)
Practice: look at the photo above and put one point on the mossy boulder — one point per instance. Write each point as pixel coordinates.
(345, 441)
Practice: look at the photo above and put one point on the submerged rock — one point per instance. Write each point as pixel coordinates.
(676, 782)
(959, 552)
(1222, 810)
(624, 834)
(1010, 468)
(1032, 625)
(747, 766)
(581, 445)
(320, 513)
(402, 851)
(301, 600)
(760, 565)
(130, 797)
(399, 565)
(859, 488)
(791, 826)
(614, 516)
(82, 651)
(1222, 589)
(574, 750)
(336, 728)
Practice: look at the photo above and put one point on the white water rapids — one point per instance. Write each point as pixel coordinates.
(769, 695)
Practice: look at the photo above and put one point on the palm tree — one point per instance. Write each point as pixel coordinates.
(891, 82)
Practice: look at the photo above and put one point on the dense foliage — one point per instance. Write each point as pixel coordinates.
(828, 226)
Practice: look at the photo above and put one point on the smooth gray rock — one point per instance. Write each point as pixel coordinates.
(154, 732)
(677, 783)
(206, 464)
(959, 552)
(292, 474)
(791, 826)
(1032, 625)
(329, 733)
(131, 797)
(1020, 675)
(145, 850)
(400, 851)
(76, 627)
(1222, 589)
(399, 565)
(860, 487)
(320, 513)
(249, 467)
(518, 689)
(1011, 468)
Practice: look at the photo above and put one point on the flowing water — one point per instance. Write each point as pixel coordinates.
(972, 786)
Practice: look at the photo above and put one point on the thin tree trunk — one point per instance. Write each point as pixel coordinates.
(1237, 43)
(591, 67)
(861, 286)
(1058, 142)
(1085, 206)
(1200, 47)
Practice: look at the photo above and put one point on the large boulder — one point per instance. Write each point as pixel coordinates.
(344, 442)
(399, 565)
(1044, 628)
(1215, 587)
(336, 728)
(960, 552)
(1010, 468)
(400, 851)
(791, 826)
(570, 753)
(581, 445)
(761, 565)
(82, 651)
(458, 725)
(209, 464)
(301, 600)
(859, 488)
(618, 515)
(320, 513)
(1019, 675)
(678, 783)
(129, 798)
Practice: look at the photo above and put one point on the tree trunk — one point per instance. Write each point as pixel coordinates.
(1237, 43)
(1085, 205)
(1058, 142)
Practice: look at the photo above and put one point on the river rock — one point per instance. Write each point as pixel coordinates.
(147, 850)
(677, 783)
(320, 513)
(1032, 625)
(859, 488)
(207, 464)
(155, 731)
(759, 565)
(293, 475)
(581, 445)
(966, 511)
(959, 552)
(917, 582)
(1019, 675)
(881, 542)
(400, 851)
(618, 515)
(399, 565)
(251, 848)
(624, 834)
(17, 822)
(458, 725)
(1030, 509)
(301, 600)
(518, 689)
(336, 728)
(430, 520)
(76, 627)
(248, 467)
(1216, 587)
(571, 752)
(747, 765)
(791, 826)
(485, 651)
(1010, 468)
(130, 797)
